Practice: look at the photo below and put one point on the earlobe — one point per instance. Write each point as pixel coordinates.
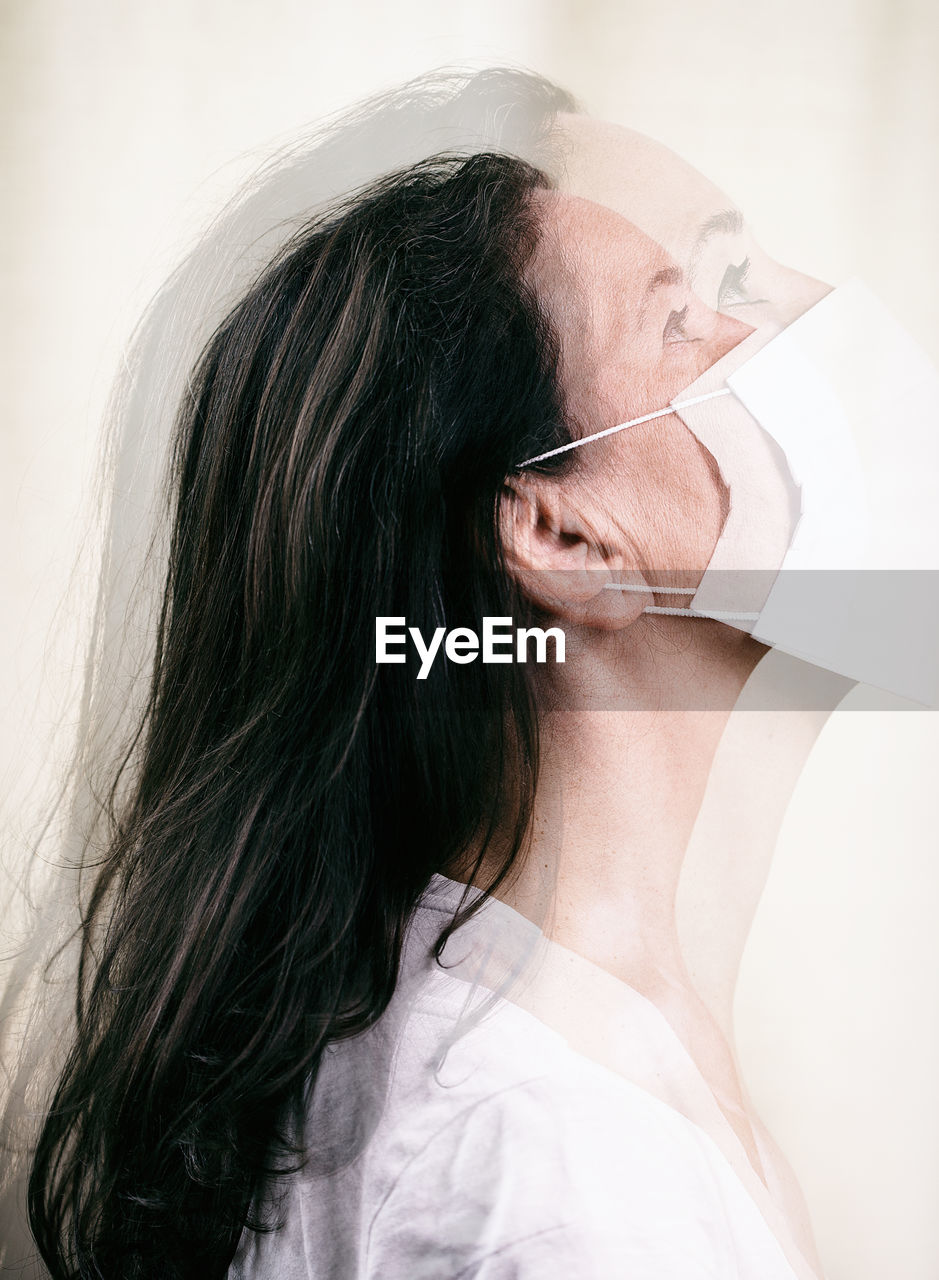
(557, 559)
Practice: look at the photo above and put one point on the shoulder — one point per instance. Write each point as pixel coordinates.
(522, 1158)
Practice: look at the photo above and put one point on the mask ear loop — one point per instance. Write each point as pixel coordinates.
(717, 614)
(633, 422)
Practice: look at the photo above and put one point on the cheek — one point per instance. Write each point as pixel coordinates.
(648, 382)
(600, 394)
(676, 500)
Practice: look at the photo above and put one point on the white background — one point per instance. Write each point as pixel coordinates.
(125, 124)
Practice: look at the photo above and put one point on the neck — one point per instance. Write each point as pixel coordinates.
(657, 811)
(654, 826)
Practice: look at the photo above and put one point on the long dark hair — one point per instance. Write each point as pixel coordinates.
(339, 455)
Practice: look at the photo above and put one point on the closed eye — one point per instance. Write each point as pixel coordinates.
(733, 287)
(674, 330)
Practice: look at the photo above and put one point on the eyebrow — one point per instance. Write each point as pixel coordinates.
(729, 222)
(667, 276)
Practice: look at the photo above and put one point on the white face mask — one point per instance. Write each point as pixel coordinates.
(826, 435)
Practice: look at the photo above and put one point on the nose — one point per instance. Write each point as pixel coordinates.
(726, 333)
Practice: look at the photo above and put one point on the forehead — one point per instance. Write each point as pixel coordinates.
(593, 266)
(582, 238)
(638, 178)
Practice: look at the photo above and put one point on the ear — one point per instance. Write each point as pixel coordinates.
(558, 558)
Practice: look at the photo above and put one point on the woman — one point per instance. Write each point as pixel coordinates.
(381, 970)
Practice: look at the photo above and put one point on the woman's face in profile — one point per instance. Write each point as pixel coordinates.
(695, 223)
(650, 276)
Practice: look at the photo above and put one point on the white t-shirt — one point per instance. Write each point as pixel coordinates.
(461, 1138)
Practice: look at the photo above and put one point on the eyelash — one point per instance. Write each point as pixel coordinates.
(735, 277)
(674, 330)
